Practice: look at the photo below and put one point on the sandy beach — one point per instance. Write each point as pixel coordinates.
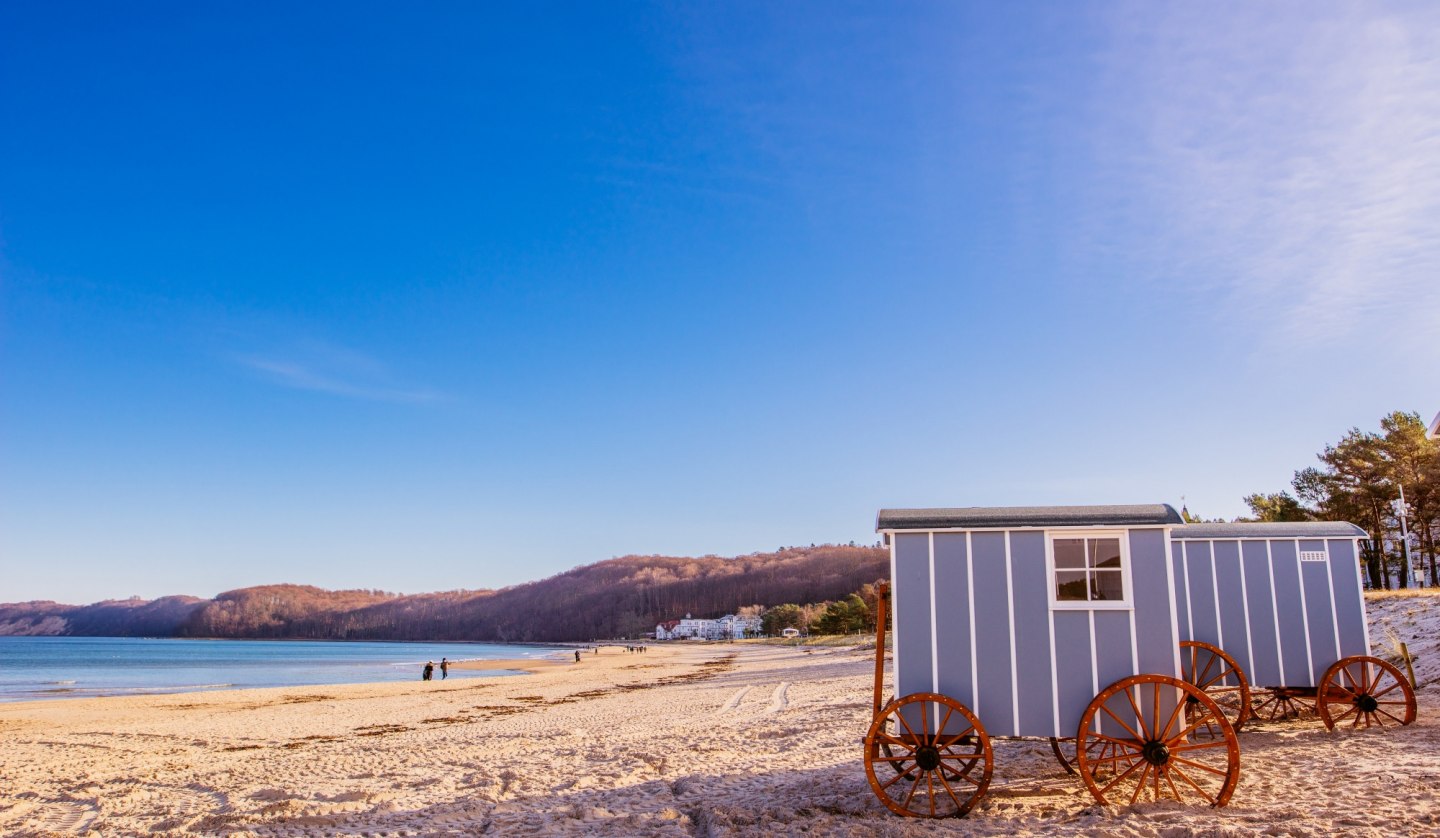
(706, 739)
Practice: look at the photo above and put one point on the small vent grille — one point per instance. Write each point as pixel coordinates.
(1312, 555)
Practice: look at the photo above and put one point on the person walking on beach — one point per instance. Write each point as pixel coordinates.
(444, 669)
(428, 672)
(577, 655)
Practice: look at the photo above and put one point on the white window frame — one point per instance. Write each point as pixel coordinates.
(1126, 604)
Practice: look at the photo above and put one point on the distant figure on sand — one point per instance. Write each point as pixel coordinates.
(577, 655)
(444, 669)
(429, 671)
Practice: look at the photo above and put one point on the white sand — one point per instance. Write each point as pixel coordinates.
(687, 740)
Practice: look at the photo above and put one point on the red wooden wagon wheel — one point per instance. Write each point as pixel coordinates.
(1367, 690)
(1275, 704)
(1156, 750)
(1220, 677)
(1064, 750)
(936, 755)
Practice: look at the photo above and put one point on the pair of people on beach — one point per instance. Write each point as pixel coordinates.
(429, 671)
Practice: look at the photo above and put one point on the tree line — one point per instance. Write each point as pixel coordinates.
(622, 597)
(1360, 479)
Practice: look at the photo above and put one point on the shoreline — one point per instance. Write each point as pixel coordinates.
(116, 668)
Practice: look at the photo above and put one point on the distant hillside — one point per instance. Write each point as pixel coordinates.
(619, 597)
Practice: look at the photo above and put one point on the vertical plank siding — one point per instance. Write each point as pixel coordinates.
(1075, 678)
(911, 598)
(1264, 669)
(1232, 600)
(1200, 580)
(1156, 640)
(1315, 577)
(1031, 593)
(952, 606)
(992, 633)
(1283, 620)
(1182, 590)
(1349, 599)
(1040, 685)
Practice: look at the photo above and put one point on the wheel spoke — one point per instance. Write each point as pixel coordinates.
(930, 786)
(1173, 715)
(1389, 689)
(1139, 717)
(1155, 712)
(1379, 673)
(1119, 721)
(1195, 746)
(1140, 786)
(1184, 734)
(1126, 773)
(1386, 713)
(1342, 716)
(1218, 679)
(957, 737)
(1193, 784)
(1200, 765)
(1115, 758)
(906, 725)
(958, 805)
(1325, 694)
(1103, 738)
(1209, 662)
(897, 778)
(1171, 781)
(914, 787)
(891, 740)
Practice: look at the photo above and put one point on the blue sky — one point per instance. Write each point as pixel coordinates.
(462, 295)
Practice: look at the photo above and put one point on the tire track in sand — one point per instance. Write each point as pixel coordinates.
(734, 700)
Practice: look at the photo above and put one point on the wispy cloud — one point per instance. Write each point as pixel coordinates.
(334, 372)
(1284, 161)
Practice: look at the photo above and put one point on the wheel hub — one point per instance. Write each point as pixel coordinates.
(1366, 703)
(1155, 752)
(927, 757)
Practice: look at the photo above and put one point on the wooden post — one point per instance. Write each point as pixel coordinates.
(1409, 665)
(882, 618)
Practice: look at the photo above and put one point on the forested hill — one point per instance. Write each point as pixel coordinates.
(619, 597)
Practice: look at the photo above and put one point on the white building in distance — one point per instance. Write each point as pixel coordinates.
(728, 627)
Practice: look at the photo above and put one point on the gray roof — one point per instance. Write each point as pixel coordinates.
(987, 517)
(1271, 529)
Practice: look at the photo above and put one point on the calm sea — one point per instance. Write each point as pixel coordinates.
(68, 667)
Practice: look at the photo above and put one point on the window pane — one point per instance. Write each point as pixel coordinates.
(1105, 552)
(1070, 585)
(1107, 585)
(1069, 552)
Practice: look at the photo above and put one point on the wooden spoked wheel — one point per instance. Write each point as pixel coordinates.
(1366, 692)
(1274, 704)
(1218, 676)
(1141, 740)
(1064, 750)
(927, 756)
